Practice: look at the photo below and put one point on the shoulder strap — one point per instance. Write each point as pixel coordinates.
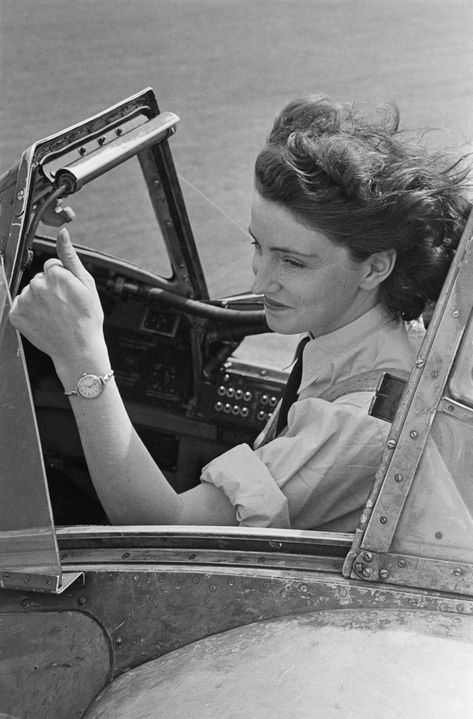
(364, 382)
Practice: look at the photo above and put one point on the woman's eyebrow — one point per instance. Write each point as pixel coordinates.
(287, 250)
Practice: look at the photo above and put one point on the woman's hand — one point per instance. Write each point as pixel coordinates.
(60, 310)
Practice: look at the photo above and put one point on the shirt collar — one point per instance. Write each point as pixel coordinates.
(322, 350)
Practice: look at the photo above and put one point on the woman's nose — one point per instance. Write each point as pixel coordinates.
(265, 280)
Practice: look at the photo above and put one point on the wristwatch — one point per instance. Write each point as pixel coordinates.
(90, 386)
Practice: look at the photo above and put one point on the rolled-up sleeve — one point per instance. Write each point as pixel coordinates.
(248, 484)
(321, 469)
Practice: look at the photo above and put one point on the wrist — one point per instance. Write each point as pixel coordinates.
(70, 369)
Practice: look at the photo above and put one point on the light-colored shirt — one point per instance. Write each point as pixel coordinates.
(319, 471)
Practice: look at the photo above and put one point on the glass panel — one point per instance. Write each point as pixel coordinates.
(437, 519)
(224, 247)
(114, 214)
(27, 539)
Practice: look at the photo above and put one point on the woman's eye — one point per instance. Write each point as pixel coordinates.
(293, 263)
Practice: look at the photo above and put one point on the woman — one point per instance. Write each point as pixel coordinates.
(353, 232)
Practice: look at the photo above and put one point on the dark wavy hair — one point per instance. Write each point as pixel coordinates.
(367, 186)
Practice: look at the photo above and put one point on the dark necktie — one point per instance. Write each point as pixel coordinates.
(290, 392)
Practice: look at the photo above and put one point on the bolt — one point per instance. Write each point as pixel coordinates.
(384, 574)
(414, 434)
(383, 520)
(367, 556)
(398, 477)
(391, 443)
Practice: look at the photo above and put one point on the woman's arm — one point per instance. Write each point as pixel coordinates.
(60, 313)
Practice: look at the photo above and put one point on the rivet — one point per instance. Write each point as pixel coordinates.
(125, 555)
(212, 587)
(383, 520)
(398, 477)
(27, 578)
(391, 443)
(450, 407)
(414, 434)
(455, 313)
(384, 574)
(25, 603)
(119, 131)
(81, 601)
(82, 151)
(434, 373)
(192, 556)
(367, 556)
(458, 572)
(438, 535)
(101, 140)
(118, 641)
(402, 563)
(420, 363)
(20, 195)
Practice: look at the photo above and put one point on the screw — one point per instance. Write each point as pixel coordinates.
(402, 563)
(414, 434)
(383, 520)
(384, 574)
(25, 603)
(20, 195)
(366, 572)
(398, 477)
(367, 556)
(118, 641)
(81, 601)
(391, 443)
(82, 150)
(450, 408)
(420, 363)
(125, 555)
(455, 313)
(434, 373)
(458, 572)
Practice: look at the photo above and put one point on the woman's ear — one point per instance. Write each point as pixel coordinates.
(378, 267)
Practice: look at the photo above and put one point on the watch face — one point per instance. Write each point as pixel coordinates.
(89, 386)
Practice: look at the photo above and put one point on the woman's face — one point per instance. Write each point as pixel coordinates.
(309, 283)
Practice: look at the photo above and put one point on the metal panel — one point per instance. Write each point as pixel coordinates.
(52, 664)
(27, 539)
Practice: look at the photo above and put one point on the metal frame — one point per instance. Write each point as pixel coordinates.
(426, 394)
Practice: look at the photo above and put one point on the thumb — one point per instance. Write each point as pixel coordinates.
(69, 257)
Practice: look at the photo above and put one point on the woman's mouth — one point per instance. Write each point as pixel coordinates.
(273, 305)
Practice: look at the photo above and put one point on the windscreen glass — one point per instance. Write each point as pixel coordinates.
(114, 214)
(437, 519)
